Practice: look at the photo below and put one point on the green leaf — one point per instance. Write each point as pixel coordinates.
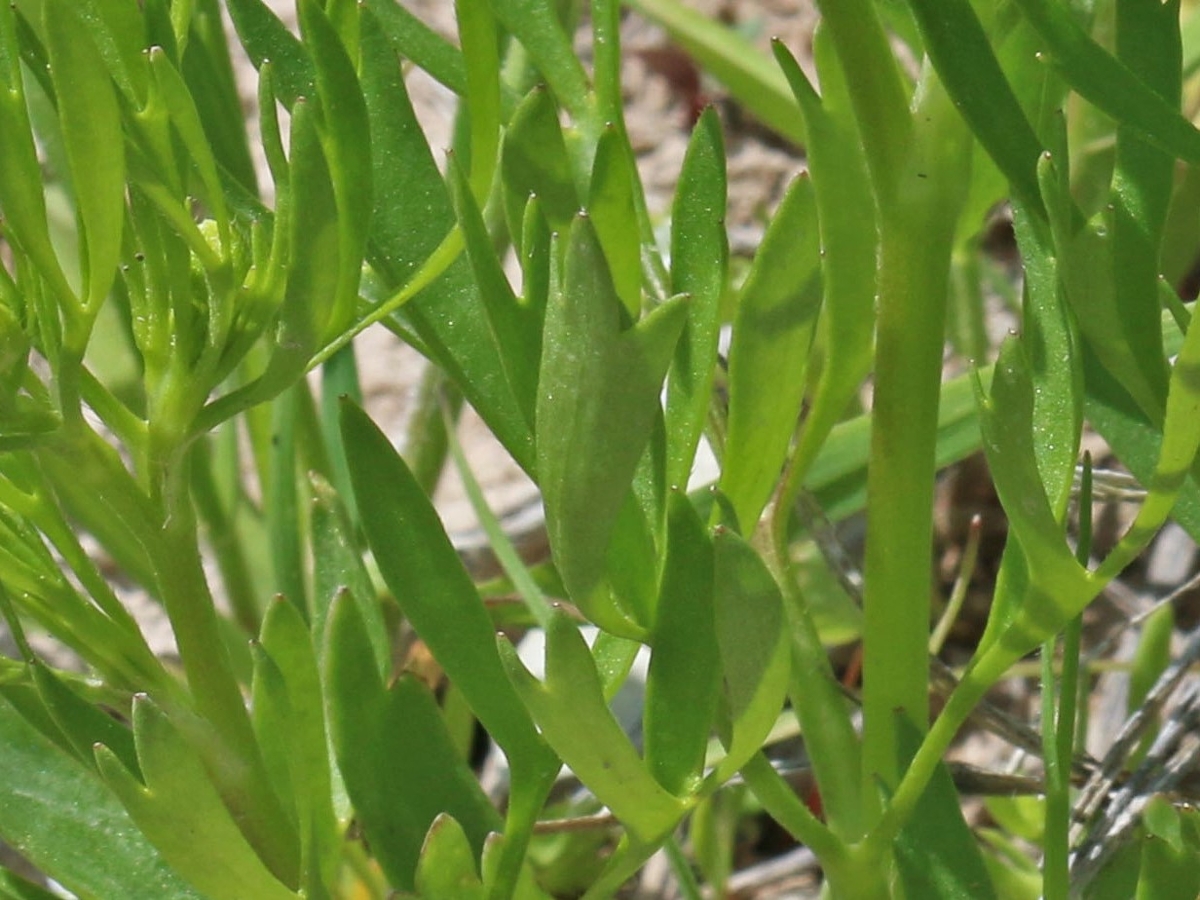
(536, 24)
(424, 573)
(58, 815)
(413, 39)
(1170, 860)
(291, 730)
(83, 723)
(534, 162)
(337, 566)
(570, 710)
(1108, 83)
(21, 198)
(410, 221)
(846, 327)
(446, 870)
(265, 38)
(179, 101)
(516, 333)
(612, 207)
(179, 810)
(13, 887)
(772, 331)
(967, 65)
(346, 139)
(937, 855)
(119, 29)
(755, 653)
(591, 427)
(699, 268)
(684, 678)
(93, 141)
(399, 763)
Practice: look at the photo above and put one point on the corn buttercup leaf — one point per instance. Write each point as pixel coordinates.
(772, 333)
(181, 813)
(399, 762)
(64, 820)
(572, 714)
(699, 269)
(683, 684)
(592, 427)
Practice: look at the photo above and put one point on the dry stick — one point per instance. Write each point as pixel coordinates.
(1171, 758)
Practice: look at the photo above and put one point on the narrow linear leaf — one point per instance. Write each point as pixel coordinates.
(420, 567)
(346, 139)
(612, 208)
(413, 39)
(699, 269)
(1104, 81)
(772, 331)
(683, 681)
(754, 651)
(265, 37)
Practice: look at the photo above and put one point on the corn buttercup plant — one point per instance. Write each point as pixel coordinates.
(158, 319)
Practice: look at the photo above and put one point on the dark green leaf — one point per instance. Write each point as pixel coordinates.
(413, 39)
(534, 162)
(427, 579)
(267, 38)
(516, 333)
(536, 24)
(937, 856)
(684, 678)
(399, 763)
(337, 566)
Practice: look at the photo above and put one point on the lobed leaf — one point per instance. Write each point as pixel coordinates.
(592, 428)
(571, 712)
(59, 816)
(180, 812)
(399, 763)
